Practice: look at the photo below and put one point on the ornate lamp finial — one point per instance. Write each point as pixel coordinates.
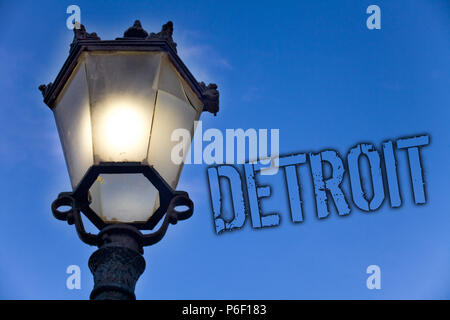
(136, 31)
(210, 97)
(165, 34)
(79, 33)
(45, 88)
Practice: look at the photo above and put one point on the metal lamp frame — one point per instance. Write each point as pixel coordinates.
(78, 201)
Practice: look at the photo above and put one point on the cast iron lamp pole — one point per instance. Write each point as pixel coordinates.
(117, 264)
(115, 104)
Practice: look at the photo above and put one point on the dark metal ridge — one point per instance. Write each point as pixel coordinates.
(83, 41)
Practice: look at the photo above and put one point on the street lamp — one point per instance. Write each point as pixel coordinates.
(116, 103)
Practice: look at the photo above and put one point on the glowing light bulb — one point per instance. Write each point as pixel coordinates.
(125, 130)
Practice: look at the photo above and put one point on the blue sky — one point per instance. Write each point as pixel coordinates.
(309, 68)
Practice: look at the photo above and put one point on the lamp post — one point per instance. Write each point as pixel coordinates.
(116, 103)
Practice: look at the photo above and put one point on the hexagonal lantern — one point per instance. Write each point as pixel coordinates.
(116, 104)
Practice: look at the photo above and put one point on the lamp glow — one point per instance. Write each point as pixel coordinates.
(124, 128)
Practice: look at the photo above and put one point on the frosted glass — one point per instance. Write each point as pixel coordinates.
(192, 97)
(169, 79)
(171, 113)
(122, 95)
(124, 198)
(73, 120)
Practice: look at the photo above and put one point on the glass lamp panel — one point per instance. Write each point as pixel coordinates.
(192, 97)
(73, 119)
(122, 89)
(169, 79)
(126, 198)
(170, 113)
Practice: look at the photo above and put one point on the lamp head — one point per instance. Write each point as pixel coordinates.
(116, 104)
